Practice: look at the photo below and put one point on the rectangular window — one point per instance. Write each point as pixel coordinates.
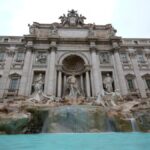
(14, 84)
(2, 56)
(130, 84)
(141, 58)
(5, 40)
(124, 57)
(20, 57)
(148, 83)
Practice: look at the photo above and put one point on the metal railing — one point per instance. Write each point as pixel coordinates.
(10, 92)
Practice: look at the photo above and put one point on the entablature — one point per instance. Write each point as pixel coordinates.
(135, 42)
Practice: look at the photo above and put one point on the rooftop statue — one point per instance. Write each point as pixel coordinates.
(72, 19)
(54, 30)
(31, 29)
(91, 30)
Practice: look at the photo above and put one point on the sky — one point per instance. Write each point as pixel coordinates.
(131, 18)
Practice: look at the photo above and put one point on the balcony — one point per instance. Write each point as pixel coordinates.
(10, 93)
(147, 92)
(127, 65)
(134, 92)
(143, 65)
(17, 65)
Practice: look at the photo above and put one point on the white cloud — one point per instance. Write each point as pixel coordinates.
(48, 11)
(129, 17)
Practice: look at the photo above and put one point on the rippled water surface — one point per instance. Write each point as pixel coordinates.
(76, 141)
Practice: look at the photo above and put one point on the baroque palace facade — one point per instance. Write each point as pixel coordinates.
(90, 52)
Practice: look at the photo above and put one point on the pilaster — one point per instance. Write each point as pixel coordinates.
(5, 77)
(119, 72)
(28, 69)
(140, 82)
(25, 73)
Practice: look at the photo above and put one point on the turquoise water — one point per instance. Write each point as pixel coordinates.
(76, 141)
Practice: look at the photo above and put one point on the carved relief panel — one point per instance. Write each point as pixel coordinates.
(104, 58)
(41, 58)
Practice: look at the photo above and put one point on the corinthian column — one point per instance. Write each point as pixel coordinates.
(47, 72)
(97, 78)
(64, 84)
(88, 84)
(51, 70)
(59, 88)
(81, 82)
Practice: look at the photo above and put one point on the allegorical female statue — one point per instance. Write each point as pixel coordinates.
(38, 84)
(108, 83)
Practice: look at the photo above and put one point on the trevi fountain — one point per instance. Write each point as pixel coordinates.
(74, 93)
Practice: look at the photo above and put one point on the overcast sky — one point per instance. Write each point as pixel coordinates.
(131, 18)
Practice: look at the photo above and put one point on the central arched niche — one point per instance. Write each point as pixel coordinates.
(73, 64)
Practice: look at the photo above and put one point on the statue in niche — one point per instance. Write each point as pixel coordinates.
(38, 94)
(73, 87)
(108, 83)
(38, 89)
(38, 84)
(41, 58)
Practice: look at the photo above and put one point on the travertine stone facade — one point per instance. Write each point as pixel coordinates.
(88, 51)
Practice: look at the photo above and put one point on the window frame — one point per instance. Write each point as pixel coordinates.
(140, 58)
(147, 84)
(13, 87)
(19, 59)
(3, 58)
(131, 77)
(124, 57)
(132, 87)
